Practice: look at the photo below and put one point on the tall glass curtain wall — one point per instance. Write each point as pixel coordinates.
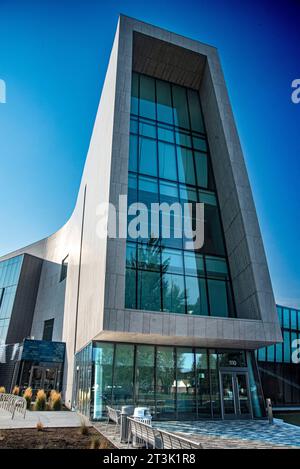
(9, 277)
(174, 382)
(169, 162)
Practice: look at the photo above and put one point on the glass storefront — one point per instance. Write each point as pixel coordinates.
(174, 382)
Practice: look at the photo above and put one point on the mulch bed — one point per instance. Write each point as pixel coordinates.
(50, 438)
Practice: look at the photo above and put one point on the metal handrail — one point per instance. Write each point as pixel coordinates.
(12, 403)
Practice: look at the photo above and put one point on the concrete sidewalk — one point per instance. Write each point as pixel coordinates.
(48, 419)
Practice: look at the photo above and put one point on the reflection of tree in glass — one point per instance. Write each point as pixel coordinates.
(154, 278)
(123, 374)
(165, 370)
(145, 371)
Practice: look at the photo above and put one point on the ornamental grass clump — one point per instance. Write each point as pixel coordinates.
(28, 396)
(55, 401)
(39, 426)
(84, 429)
(95, 442)
(41, 400)
(16, 391)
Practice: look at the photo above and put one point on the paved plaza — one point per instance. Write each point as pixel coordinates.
(211, 434)
(256, 431)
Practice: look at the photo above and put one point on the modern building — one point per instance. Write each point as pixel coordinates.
(148, 320)
(279, 365)
(35, 363)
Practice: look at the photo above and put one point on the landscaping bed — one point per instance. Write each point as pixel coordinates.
(52, 438)
(289, 417)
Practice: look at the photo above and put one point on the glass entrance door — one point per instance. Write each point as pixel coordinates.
(235, 394)
(43, 378)
(36, 378)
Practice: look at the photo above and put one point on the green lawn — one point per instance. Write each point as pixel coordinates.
(293, 418)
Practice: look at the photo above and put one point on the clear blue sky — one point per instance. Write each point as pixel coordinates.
(53, 57)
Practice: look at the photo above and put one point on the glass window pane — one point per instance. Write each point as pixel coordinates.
(196, 296)
(144, 381)
(164, 102)
(216, 267)
(186, 171)
(149, 290)
(135, 93)
(185, 381)
(195, 111)
(130, 289)
(215, 391)
(165, 133)
(48, 329)
(271, 353)
(199, 144)
(147, 97)
(132, 194)
(201, 168)
(286, 346)
(208, 198)
(173, 293)
(293, 319)
(147, 156)
(294, 344)
(286, 318)
(167, 161)
(131, 255)
(123, 375)
(134, 126)
(149, 256)
(213, 239)
(261, 354)
(184, 139)
(193, 263)
(172, 261)
(168, 192)
(103, 354)
(279, 311)
(148, 191)
(278, 353)
(203, 384)
(133, 148)
(147, 129)
(217, 291)
(187, 194)
(181, 115)
(165, 382)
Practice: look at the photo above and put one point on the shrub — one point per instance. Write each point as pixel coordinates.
(41, 399)
(2, 390)
(39, 426)
(95, 442)
(16, 390)
(55, 401)
(28, 396)
(105, 444)
(84, 429)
